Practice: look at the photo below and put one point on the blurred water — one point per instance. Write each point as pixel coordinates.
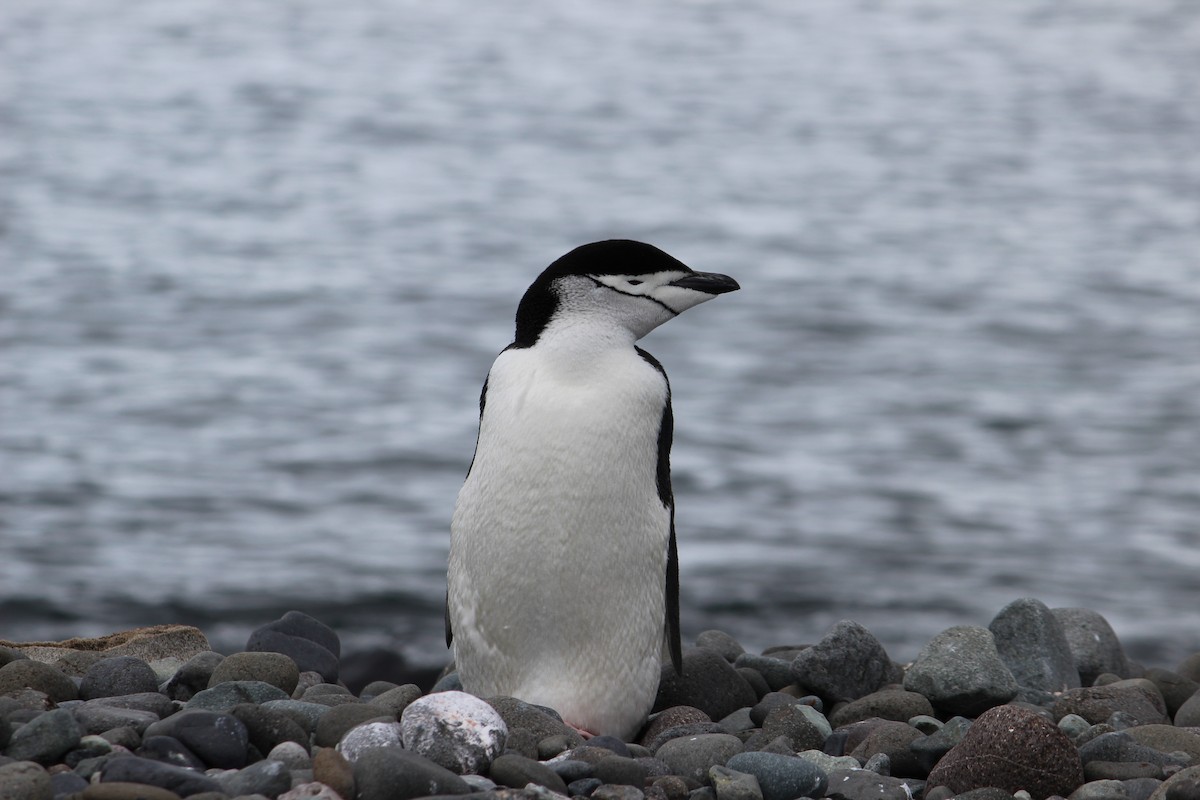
(257, 258)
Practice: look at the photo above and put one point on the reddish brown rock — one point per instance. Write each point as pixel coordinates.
(1011, 748)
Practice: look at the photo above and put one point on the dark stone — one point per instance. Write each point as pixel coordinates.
(311, 644)
(391, 773)
(894, 704)
(692, 756)
(709, 683)
(1094, 646)
(1097, 703)
(116, 677)
(1032, 644)
(395, 700)
(846, 664)
(267, 728)
(1011, 748)
(224, 696)
(768, 703)
(131, 769)
(273, 668)
(666, 719)
(152, 702)
(929, 750)
(1120, 746)
(1121, 770)
(960, 672)
(861, 784)
(170, 750)
(775, 671)
(622, 770)
(893, 739)
(193, 676)
(521, 716)
(332, 725)
(26, 673)
(794, 722)
(268, 778)
(518, 771)
(781, 777)
(332, 769)
(46, 738)
(1174, 688)
(66, 783)
(219, 740)
(721, 643)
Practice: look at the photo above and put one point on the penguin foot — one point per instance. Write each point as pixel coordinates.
(586, 734)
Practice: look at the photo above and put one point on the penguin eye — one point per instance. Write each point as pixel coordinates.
(635, 282)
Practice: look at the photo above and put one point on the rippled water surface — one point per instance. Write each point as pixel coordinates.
(256, 259)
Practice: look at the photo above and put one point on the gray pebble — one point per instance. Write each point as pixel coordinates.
(1095, 648)
(721, 643)
(273, 668)
(225, 696)
(692, 756)
(454, 729)
(781, 777)
(270, 778)
(846, 664)
(116, 677)
(46, 738)
(733, 785)
(960, 672)
(1031, 642)
(391, 773)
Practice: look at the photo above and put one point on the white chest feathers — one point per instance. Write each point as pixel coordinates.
(559, 538)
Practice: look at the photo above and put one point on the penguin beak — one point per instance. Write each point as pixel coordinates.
(707, 282)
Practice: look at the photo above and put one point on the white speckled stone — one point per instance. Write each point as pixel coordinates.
(310, 791)
(454, 729)
(369, 735)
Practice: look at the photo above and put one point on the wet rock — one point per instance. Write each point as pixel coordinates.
(960, 672)
(847, 663)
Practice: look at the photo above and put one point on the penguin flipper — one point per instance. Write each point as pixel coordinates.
(672, 602)
(449, 631)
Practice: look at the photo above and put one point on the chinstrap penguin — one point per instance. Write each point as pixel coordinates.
(563, 584)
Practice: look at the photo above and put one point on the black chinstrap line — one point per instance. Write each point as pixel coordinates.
(604, 285)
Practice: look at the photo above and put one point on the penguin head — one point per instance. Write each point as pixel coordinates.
(616, 283)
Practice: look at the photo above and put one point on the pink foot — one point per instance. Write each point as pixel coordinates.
(584, 733)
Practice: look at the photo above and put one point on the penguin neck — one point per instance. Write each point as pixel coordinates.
(576, 345)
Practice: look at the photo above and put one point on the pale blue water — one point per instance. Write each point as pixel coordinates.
(256, 259)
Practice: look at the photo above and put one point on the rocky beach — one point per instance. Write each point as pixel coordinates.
(1040, 703)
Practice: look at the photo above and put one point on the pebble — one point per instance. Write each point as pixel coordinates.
(454, 729)
(709, 683)
(960, 672)
(116, 677)
(273, 668)
(258, 724)
(312, 645)
(847, 663)
(1031, 642)
(781, 777)
(24, 780)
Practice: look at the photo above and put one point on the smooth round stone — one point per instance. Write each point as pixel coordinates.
(154, 702)
(517, 771)
(219, 740)
(781, 777)
(312, 791)
(1095, 648)
(667, 719)
(1138, 698)
(777, 672)
(312, 645)
(268, 728)
(184, 782)
(339, 719)
(193, 675)
(1167, 739)
(929, 749)
(63, 784)
(24, 780)
(454, 729)
(25, 673)
(367, 736)
(130, 791)
(893, 739)
(46, 738)
(170, 750)
(98, 719)
(394, 701)
(733, 785)
(269, 778)
(864, 784)
(294, 755)
(768, 703)
(960, 672)
(520, 716)
(391, 773)
(1100, 790)
(894, 704)
(1188, 715)
(225, 696)
(721, 643)
(1073, 725)
(273, 668)
(332, 769)
(827, 763)
(709, 683)
(692, 756)
(847, 663)
(116, 677)
(1031, 642)
(804, 727)
(1175, 689)
(609, 791)
(305, 714)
